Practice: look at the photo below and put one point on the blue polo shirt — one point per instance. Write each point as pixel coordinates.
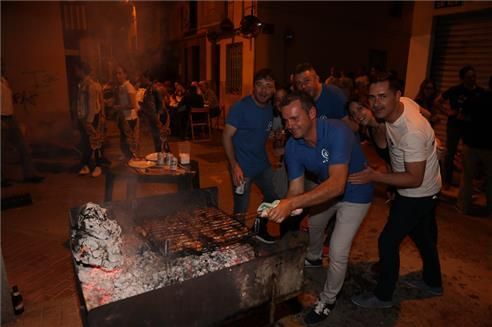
(253, 125)
(336, 144)
(331, 103)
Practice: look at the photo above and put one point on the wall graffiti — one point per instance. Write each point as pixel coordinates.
(41, 79)
(25, 98)
(38, 80)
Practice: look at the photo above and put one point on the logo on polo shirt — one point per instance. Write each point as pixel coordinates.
(323, 117)
(269, 127)
(326, 155)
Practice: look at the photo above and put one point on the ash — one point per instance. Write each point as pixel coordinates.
(146, 271)
(96, 240)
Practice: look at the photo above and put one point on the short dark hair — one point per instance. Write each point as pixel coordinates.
(85, 67)
(379, 77)
(264, 73)
(301, 68)
(307, 101)
(464, 70)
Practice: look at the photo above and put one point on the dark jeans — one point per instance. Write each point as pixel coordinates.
(415, 217)
(454, 132)
(152, 119)
(182, 122)
(128, 141)
(264, 181)
(12, 135)
(89, 157)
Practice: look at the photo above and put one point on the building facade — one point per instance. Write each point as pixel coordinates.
(446, 35)
(212, 43)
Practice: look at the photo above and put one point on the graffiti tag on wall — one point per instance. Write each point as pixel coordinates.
(26, 99)
(38, 80)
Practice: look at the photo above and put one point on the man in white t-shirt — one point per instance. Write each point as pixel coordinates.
(415, 175)
(126, 106)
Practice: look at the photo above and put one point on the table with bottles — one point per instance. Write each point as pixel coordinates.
(186, 177)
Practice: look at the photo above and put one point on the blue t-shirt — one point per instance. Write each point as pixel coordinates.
(331, 103)
(253, 125)
(336, 144)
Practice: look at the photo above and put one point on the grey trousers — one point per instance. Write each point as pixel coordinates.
(349, 216)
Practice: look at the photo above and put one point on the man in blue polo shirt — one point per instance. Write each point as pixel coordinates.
(329, 99)
(330, 151)
(247, 129)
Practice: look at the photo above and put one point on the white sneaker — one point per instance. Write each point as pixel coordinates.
(84, 171)
(96, 172)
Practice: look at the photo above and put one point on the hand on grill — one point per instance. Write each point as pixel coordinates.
(278, 210)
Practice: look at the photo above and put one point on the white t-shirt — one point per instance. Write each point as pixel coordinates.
(411, 139)
(126, 91)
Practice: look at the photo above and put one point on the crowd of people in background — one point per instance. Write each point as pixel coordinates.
(163, 106)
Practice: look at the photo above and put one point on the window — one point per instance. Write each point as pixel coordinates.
(234, 68)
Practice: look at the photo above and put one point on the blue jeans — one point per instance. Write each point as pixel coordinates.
(264, 181)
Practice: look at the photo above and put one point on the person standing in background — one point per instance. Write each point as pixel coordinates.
(126, 106)
(454, 100)
(330, 99)
(12, 136)
(91, 120)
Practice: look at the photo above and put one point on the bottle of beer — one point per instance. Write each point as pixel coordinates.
(17, 301)
(165, 147)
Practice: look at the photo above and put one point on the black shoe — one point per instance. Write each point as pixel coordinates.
(34, 179)
(313, 263)
(265, 238)
(422, 286)
(319, 313)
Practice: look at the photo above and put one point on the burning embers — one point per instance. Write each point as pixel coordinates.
(150, 271)
(96, 239)
(200, 242)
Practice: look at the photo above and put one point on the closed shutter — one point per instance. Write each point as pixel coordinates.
(459, 40)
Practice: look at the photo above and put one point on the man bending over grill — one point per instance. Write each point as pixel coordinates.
(247, 128)
(327, 149)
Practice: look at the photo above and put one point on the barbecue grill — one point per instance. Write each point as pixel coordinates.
(186, 264)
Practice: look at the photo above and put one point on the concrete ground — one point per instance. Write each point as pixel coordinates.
(37, 258)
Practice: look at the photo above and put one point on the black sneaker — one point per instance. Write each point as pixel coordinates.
(422, 286)
(313, 263)
(319, 313)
